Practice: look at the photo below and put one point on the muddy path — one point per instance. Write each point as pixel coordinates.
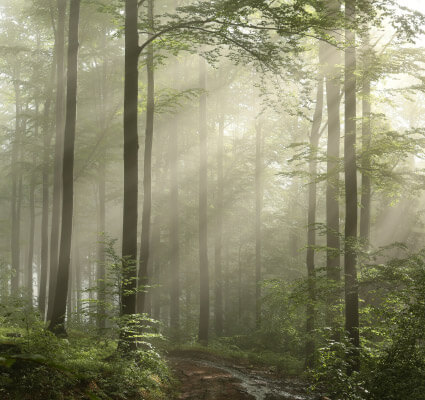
(205, 377)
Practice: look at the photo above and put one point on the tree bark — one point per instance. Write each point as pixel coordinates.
(61, 290)
(45, 190)
(147, 178)
(131, 147)
(350, 169)
(31, 231)
(333, 98)
(366, 139)
(58, 161)
(77, 268)
(101, 259)
(156, 266)
(311, 234)
(218, 307)
(173, 152)
(258, 211)
(204, 310)
(15, 214)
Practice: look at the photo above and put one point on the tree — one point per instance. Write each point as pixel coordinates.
(131, 147)
(311, 221)
(259, 193)
(44, 256)
(350, 170)
(174, 227)
(218, 306)
(333, 98)
(204, 286)
(147, 177)
(366, 141)
(61, 289)
(58, 161)
(16, 184)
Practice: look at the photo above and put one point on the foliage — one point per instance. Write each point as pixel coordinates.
(35, 364)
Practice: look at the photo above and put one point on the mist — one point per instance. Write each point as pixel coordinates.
(224, 191)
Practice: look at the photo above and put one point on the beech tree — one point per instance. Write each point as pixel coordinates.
(61, 288)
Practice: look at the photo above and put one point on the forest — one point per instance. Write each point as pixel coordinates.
(212, 199)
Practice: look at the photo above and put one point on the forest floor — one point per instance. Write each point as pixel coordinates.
(204, 376)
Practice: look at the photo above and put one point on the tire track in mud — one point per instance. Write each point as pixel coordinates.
(204, 378)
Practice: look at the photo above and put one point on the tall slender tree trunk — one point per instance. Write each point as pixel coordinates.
(15, 213)
(173, 152)
(311, 235)
(61, 289)
(77, 270)
(31, 232)
(147, 170)
(101, 259)
(226, 291)
(218, 307)
(45, 189)
(240, 288)
(131, 147)
(57, 173)
(332, 63)
(101, 228)
(350, 169)
(69, 296)
(204, 310)
(156, 268)
(366, 139)
(259, 189)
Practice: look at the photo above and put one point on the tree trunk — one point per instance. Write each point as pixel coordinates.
(204, 310)
(77, 268)
(350, 169)
(311, 235)
(101, 296)
(61, 290)
(218, 307)
(259, 188)
(333, 99)
(240, 288)
(147, 178)
(131, 147)
(45, 188)
(366, 138)
(31, 231)
(69, 296)
(156, 266)
(57, 179)
(173, 152)
(15, 214)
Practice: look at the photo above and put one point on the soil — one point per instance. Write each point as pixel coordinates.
(206, 377)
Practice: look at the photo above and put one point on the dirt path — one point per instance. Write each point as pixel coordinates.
(203, 377)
